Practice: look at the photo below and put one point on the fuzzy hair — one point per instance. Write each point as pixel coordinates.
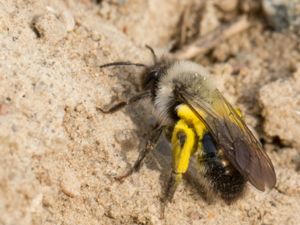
(185, 72)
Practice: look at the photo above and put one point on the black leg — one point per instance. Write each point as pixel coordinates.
(171, 186)
(116, 107)
(151, 143)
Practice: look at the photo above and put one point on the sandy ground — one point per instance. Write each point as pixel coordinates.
(58, 153)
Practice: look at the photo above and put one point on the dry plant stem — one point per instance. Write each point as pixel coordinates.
(204, 44)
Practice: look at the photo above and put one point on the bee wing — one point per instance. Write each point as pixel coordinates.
(231, 134)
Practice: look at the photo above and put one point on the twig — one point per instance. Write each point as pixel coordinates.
(204, 44)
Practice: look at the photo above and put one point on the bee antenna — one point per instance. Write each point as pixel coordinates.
(153, 53)
(123, 64)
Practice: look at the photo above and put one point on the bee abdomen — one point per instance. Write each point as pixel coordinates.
(225, 180)
(223, 177)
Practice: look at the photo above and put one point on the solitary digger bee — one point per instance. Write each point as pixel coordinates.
(199, 122)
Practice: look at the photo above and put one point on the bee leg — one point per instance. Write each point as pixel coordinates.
(183, 146)
(137, 165)
(151, 143)
(117, 106)
(172, 184)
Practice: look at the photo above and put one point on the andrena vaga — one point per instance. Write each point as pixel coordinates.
(200, 122)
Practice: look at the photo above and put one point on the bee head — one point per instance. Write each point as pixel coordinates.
(152, 75)
(150, 78)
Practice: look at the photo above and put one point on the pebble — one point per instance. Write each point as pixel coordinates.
(49, 27)
(70, 184)
(68, 20)
(227, 5)
(209, 20)
(282, 14)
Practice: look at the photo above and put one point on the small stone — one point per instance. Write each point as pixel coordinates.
(4, 109)
(36, 203)
(248, 6)
(209, 20)
(70, 184)
(282, 14)
(47, 201)
(280, 101)
(68, 19)
(227, 5)
(49, 27)
(276, 13)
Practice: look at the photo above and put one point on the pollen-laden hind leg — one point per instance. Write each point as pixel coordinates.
(186, 140)
(183, 146)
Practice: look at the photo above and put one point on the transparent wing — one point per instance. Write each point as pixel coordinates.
(231, 134)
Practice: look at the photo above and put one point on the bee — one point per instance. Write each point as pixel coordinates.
(200, 123)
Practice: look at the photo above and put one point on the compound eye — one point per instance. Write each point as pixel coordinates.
(154, 74)
(151, 78)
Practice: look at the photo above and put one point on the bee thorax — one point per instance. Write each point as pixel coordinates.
(184, 75)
